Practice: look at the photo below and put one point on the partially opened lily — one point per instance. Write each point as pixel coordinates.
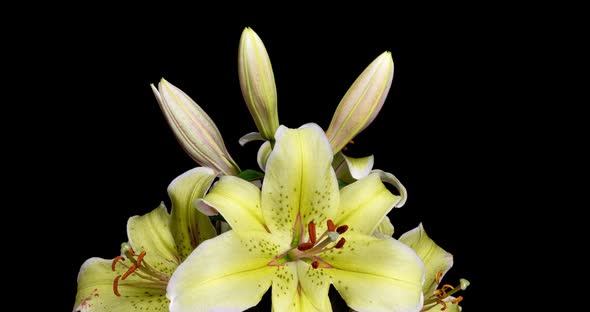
(158, 242)
(437, 262)
(300, 234)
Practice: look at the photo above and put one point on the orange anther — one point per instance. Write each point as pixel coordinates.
(117, 259)
(340, 243)
(305, 246)
(439, 275)
(442, 303)
(116, 286)
(140, 258)
(315, 264)
(331, 226)
(131, 252)
(311, 231)
(457, 300)
(341, 229)
(131, 270)
(447, 287)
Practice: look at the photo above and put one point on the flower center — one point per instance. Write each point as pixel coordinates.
(139, 267)
(445, 291)
(310, 250)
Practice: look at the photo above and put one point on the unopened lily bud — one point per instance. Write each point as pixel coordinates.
(362, 102)
(258, 84)
(193, 128)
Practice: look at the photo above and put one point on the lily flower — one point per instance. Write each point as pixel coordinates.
(362, 102)
(158, 242)
(299, 234)
(258, 86)
(437, 262)
(195, 131)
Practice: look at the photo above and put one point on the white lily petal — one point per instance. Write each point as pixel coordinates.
(391, 179)
(151, 233)
(238, 201)
(95, 291)
(225, 273)
(188, 226)
(374, 274)
(364, 203)
(384, 229)
(263, 153)
(434, 257)
(252, 136)
(299, 180)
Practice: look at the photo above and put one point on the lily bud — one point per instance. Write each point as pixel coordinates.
(193, 128)
(258, 83)
(362, 102)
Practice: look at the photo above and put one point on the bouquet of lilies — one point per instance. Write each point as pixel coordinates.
(310, 217)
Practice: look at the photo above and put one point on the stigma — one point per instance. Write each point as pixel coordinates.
(146, 275)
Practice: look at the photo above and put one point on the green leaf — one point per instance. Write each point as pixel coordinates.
(251, 175)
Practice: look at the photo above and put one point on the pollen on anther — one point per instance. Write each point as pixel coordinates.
(439, 275)
(341, 229)
(340, 243)
(116, 286)
(312, 233)
(305, 246)
(331, 226)
(117, 259)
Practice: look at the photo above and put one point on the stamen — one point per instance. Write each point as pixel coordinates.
(439, 275)
(315, 264)
(140, 258)
(331, 226)
(305, 246)
(131, 270)
(117, 259)
(312, 233)
(341, 229)
(340, 243)
(457, 300)
(442, 303)
(116, 286)
(131, 252)
(447, 287)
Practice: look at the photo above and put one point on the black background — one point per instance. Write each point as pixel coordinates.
(111, 154)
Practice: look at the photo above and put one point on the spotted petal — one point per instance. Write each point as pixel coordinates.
(151, 233)
(375, 275)
(299, 180)
(225, 273)
(95, 291)
(364, 204)
(189, 226)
